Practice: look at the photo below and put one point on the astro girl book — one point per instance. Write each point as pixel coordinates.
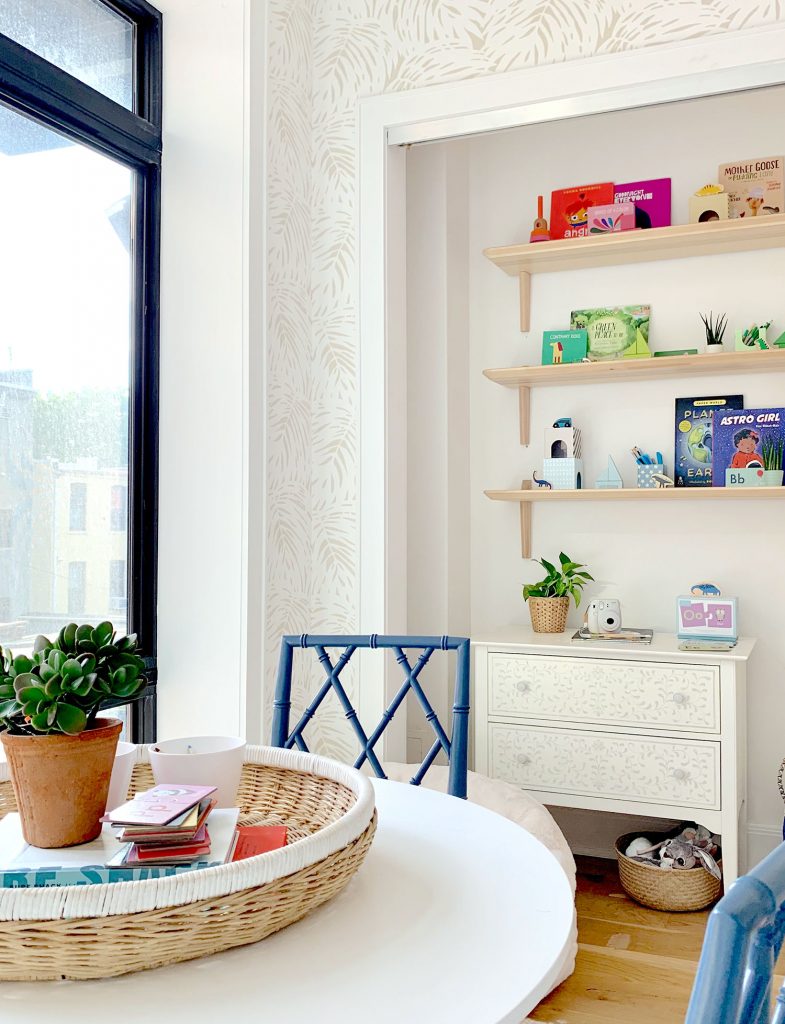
(694, 437)
(747, 443)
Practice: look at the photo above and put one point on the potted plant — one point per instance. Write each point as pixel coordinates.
(715, 331)
(549, 599)
(60, 753)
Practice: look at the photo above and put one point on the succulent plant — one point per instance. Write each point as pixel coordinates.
(61, 686)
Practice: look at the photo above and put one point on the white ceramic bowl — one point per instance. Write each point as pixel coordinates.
(201, 761)
(124, 761)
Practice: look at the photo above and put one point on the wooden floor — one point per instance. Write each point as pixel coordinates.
(633, 964)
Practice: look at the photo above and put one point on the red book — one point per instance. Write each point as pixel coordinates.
(255, 839)
(154, 854)
(570, 207)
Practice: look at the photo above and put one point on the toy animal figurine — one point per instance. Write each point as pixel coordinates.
(540, 232)
(661, 480)
(705, 590)
(542, 483)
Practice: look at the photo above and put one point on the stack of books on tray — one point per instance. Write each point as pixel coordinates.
(159, 833)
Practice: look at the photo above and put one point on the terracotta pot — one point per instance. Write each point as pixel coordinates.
(549, 614)
(61, 782)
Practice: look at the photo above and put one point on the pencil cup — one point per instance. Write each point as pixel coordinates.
(201, 761)
(645, 474)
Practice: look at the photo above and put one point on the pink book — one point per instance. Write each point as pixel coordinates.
(158, 806)
(652, 199)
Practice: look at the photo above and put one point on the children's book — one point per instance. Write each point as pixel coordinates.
(563, 347)
(694, 438)
(747, 439)
(159, 805)
(570, 208)
(255, 839)
(611, 218)
(754, 187)
(652, 201)
(615, 333)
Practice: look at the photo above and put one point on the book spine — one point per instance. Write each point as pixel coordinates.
(91, 875)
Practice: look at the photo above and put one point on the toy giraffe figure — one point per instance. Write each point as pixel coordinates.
(558, 348)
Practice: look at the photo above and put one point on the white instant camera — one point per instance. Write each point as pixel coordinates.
(604, 615)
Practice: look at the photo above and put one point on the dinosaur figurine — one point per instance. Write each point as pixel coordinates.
(542, 483)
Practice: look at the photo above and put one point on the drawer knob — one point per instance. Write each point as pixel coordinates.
(679, 774)
(522, 686)
(680, 698)
(523, 760)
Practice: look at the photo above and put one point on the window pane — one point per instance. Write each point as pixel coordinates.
(66, 268)
(83, 37)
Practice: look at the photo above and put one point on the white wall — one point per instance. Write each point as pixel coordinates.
(203, 445)
(643, 555)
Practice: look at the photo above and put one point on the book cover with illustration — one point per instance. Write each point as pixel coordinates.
(747, 439)
(652, 201)
(754, 187)
(619, 332)
(570, 208)
(694, 438)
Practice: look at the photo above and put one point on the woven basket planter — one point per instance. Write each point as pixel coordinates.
(549, 614)
(98, 931)
(674, 890)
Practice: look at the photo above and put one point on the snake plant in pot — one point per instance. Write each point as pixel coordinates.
(549, 600)
(60, 753)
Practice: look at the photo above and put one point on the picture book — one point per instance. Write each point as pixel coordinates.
(652, 201)
(694, 439)
(747, 439)
(570, 208)
(612, 217)
(563, 347)
(615, 333)
(255, 839)
(754, 187)
(183, 828)
(159, 805)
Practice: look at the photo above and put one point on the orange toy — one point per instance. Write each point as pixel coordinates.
(540, 232)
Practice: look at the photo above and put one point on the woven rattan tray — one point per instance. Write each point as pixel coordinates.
(98, 931)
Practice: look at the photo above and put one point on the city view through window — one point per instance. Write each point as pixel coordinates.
(65, 327)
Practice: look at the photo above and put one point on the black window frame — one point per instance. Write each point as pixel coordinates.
(38, 89)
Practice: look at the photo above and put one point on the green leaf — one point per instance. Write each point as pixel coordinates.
(72, 669)
(103, 633)
(24, 681)
(46, 671)
(551, 569)
(56, 659)
(81, 687)
(54, 687)
(21, 664)
(40, 721)
(70, 720)
(68, 634)
(41, 644)
(8, 708)
(128, 688)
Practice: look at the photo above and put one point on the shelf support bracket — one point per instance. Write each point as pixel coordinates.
(524, 411)
(526, 297)
(526, 522)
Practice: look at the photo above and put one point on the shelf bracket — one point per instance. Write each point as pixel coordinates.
(525, 280)
(526, 522)
(524, 411)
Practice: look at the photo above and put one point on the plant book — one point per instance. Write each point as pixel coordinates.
(159, 805)
(747, 439)
(694, 437)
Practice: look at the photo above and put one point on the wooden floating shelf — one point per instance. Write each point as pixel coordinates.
(528, 495)
(611, 370)
(642, 246)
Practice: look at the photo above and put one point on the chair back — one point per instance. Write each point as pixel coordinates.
(743, 940)
(454, 746)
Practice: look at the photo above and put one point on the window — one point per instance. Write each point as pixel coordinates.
(77, 509)
(118, 511)
(80, 157)
(117, 586)
(77, 582)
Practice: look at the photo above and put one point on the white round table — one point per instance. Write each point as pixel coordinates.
(456, 915)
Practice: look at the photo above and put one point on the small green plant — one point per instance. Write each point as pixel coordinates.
(772, 449)
(61, 686)
(715, 328)
(569, 578)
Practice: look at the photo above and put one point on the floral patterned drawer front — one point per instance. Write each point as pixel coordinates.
(632, 693)
(608, 765)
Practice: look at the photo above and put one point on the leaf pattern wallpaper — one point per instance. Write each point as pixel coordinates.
(322, 56)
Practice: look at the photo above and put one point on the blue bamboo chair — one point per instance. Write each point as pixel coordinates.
(743, 940)
(455, 746)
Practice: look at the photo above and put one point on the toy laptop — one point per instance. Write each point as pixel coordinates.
(707, 618)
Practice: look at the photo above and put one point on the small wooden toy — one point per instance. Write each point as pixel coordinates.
(705, 590)
(540, 232)
(542, 483)
(612, 479)
(709, 203)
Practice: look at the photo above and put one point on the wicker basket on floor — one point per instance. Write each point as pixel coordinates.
(98, 931)
(675, 890)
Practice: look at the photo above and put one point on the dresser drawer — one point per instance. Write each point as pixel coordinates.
(609, 765)
(604, 691)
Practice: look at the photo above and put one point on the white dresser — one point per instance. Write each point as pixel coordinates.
(635, 729)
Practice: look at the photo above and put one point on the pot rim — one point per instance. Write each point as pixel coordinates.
(97, 726)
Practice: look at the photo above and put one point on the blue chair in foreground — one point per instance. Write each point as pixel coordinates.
(455, 746)
(743, 940)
